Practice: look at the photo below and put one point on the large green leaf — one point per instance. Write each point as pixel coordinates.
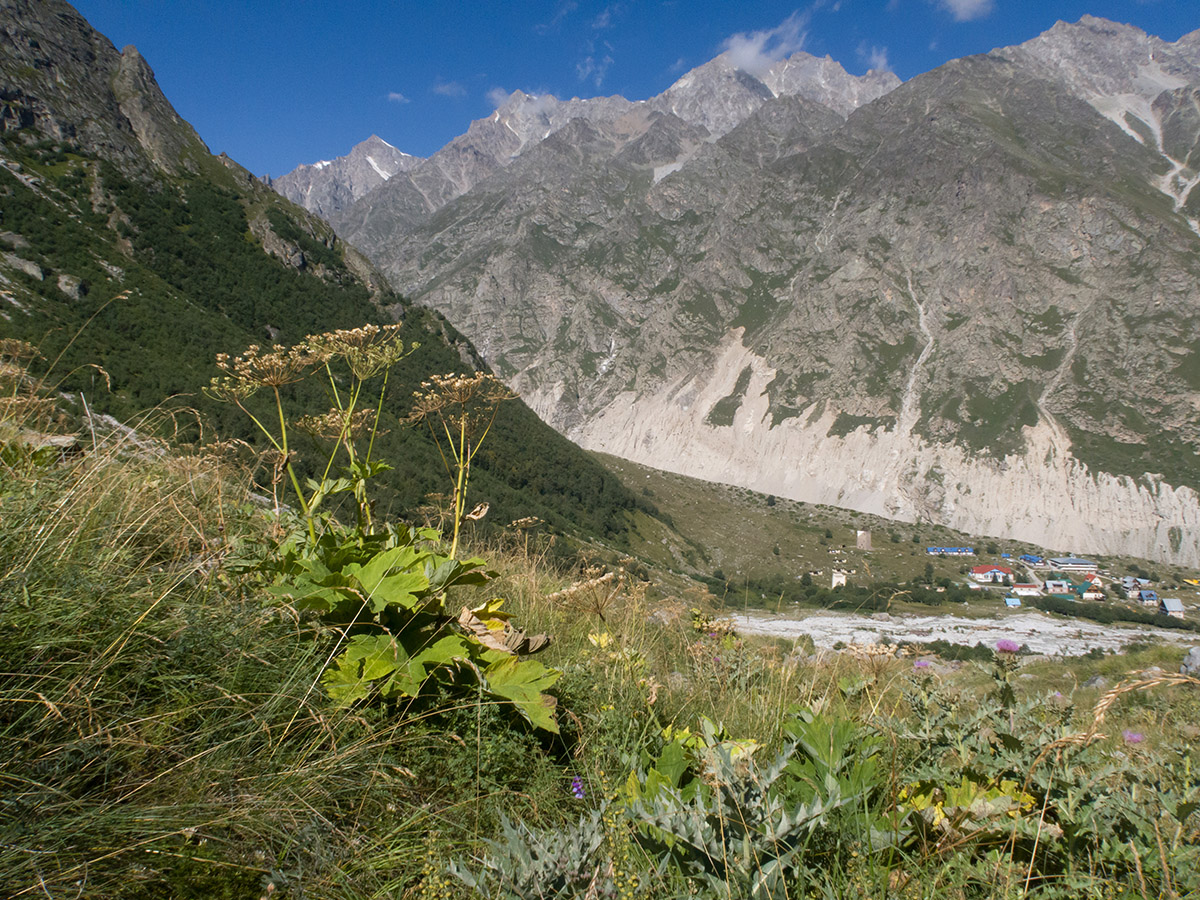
(314, 586)
(446, 651)
(366, 659)
(392, 578)
(522, 681)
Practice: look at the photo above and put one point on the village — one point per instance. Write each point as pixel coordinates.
(1028, 575)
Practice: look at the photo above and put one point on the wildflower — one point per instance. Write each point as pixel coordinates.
(367, 350)
(1132, 737)
(1007, 646)
(18, 351)
(577, 788)
(337, 424)
(274, 368)
(458, 399)
(921, 664)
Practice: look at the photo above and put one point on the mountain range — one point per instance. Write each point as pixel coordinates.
(968, 299)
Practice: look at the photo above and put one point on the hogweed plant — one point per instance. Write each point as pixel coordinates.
(384, 591)
(459, 411)
(366, 352)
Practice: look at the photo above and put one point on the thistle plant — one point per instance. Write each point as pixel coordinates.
(459, 411)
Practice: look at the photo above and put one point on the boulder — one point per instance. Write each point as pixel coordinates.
(1191, 663)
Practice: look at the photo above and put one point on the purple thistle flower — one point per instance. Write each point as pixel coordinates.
(921, 664)
(1133, 737)
(577, 788)
(1007, 646)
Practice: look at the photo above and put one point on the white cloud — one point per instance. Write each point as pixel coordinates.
(397, 97)
(498, 96)
(966, 10)
(875, 57)
(679, 65)
(592, 69)
(449, 88)
(756, 51)
(564, 9)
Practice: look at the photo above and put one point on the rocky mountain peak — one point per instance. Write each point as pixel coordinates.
(825, 81)
(1132, 78)
(166, 137)
(330, 185)
(1106, 62)
(719, 95)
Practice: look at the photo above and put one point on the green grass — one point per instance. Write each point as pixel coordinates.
(724, 410)
(167, 733)
(738, 531)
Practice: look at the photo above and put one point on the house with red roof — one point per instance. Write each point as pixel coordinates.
(991, 574)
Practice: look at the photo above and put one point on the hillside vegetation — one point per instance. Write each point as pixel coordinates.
(183, 718)
(139, 282)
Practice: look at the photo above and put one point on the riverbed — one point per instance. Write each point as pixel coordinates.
(1042, 633)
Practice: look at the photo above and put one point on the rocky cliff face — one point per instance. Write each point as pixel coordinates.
(60, 77)
(971, 300)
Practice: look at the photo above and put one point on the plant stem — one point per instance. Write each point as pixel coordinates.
(287, 464)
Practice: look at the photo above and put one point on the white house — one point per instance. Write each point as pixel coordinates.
(991, 574)
(1073, 564)
(1171, 606)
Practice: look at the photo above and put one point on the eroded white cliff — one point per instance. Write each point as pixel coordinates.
(1042, 495)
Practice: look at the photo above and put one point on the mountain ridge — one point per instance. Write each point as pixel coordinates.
(967, 301)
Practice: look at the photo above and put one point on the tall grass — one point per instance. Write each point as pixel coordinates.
(164, 734)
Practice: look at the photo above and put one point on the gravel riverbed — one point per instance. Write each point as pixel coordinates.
(1041, 633)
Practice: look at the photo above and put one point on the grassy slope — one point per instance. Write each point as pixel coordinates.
(165, 734)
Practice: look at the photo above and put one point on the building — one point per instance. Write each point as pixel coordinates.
(1031, 559)
(1012, 602)
(839, 578)
(864, 539)
(991, 574)
(1057, 586)
(1171, 606)
(1073, 564)
(1148, 598)
(1026, 590)
(950, 551)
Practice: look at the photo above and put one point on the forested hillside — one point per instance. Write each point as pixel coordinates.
(131, 261)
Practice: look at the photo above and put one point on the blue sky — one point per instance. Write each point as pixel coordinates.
(276, 83)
